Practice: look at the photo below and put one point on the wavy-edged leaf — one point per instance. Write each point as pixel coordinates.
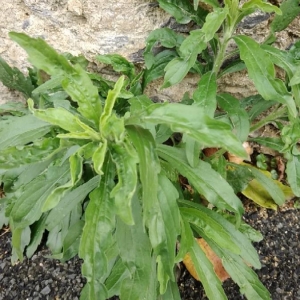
(207, 182)
(110, 102)
(262, 72)
(97, 235)
(14, 79)
(246, 249)
(99, 157)
(40, 150)
(125, 159)
(22, 130)
(136, 253)
(76, 81)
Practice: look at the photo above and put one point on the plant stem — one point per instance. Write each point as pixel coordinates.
(222, 51)
(271, 117)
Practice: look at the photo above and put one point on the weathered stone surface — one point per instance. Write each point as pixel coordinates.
(88, 27)
(91, 27)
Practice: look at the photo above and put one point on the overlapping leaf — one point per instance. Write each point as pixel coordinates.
(261, 71)
(97, 235)
(76, 82)
(205, 180)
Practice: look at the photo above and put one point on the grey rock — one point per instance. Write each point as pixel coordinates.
(46, 290)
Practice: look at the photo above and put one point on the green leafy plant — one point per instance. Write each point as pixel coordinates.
(97, 166)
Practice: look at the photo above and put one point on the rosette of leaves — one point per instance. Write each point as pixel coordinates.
(100, 182)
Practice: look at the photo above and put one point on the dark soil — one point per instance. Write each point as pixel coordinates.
(42, 278)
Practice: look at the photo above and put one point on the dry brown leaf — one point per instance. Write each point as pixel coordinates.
(236, 159)
(214, 259)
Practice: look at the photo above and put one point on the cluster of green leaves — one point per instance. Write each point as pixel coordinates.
(94, 165)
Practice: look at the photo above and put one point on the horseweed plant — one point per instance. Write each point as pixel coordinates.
(98, 166)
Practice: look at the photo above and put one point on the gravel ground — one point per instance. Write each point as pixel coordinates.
(41, 278)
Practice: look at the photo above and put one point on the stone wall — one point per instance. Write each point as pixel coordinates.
(91, 27)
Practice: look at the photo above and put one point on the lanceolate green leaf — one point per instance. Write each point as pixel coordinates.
(76, 81)
(135, 252)
(13, 78)
(213, 22)
(242, 274)
(246, 249)
(271, 187)
(212, 228)
(20, 239)
(126, 159)
(206, 181)
(149, 168)
(166, 37)
(237, 115)
(156, 201)
(261, 70)
(290, 10)
(263, 6)
(205, 94)
(169, 229)
(288, 63)
(192, 121)
(293, 173)
(157, 68)
(177, 69)
(97, 235)
(119, 64)
(21, 131)
(110, 101)
(205, 271)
